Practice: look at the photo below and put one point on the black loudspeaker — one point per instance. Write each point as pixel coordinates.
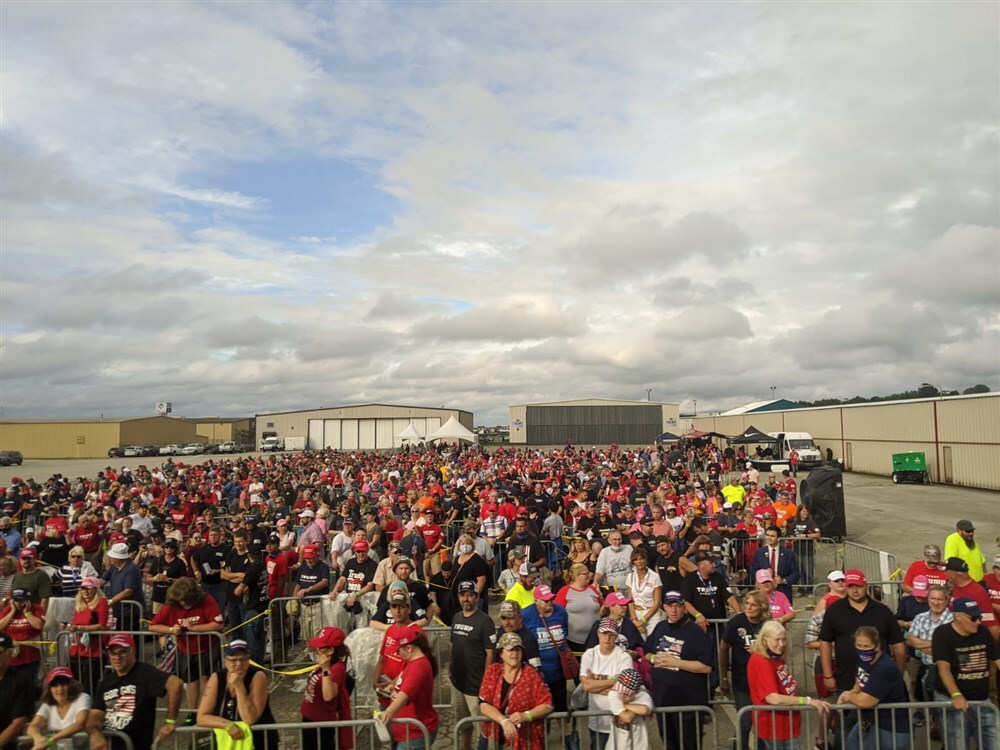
(822, 492)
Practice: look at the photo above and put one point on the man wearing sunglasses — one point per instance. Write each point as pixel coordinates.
(964, 653)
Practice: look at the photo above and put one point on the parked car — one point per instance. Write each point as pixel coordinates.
(210, 448)
(170, 450)
(191, 449)
(229, 447)
(11, 458)
(132, 450)
(151, 450)
(116, 452)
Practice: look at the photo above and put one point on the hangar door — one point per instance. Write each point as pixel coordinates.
(593, 425)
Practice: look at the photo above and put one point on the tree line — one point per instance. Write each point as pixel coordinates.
(926, 390)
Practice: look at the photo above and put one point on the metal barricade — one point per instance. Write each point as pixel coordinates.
(318, 735)
(363, 702)
(79, 741)
(88, 663)
(891, 725)
(876, 564)
(681, 727)
(888, 592)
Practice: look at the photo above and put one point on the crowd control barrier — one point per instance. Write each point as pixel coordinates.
(688, 728)
(79, 741)
(88, 663)
(889, 592)
(301, 735)
(889, 726)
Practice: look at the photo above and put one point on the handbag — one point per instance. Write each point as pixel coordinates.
(570, 664)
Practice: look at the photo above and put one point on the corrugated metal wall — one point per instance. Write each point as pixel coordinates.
(594, 425)
(365, 434)
(158, 431)
(960, 435)
(298, 422)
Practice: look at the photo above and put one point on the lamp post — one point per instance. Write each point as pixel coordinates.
(649, 394)
(695, 406)
(773, 389)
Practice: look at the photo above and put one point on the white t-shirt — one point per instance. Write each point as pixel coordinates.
(634, 736)
(56, 723)
(642, 593)
(602, 668)
(614, 566)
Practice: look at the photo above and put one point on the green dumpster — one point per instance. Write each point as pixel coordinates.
(910, 467)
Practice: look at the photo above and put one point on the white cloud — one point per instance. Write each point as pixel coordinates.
(591, 199)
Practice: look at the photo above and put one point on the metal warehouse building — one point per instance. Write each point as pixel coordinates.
(592, 421)
(960, 435)
(365, 427)
(91, 438)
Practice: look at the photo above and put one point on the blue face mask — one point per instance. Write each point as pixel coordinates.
(866, 654)
(774, 655)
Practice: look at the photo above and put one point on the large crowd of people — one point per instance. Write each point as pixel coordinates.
(623, 580)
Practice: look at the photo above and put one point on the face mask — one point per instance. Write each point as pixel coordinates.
(464, 549)
(866, 654)
(773, 655)
(615, 547)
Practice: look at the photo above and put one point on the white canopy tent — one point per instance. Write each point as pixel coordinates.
(453, 430)
(409, 433)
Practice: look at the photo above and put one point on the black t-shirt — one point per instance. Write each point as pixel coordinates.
(129, 702)
(255, 579)
(668, 568)
(173, 570)
(16, 700)
(471, 637)
(53, 550)
(839, 625)
(683, 640)
(237, 563)
(740, 634)
(709, 596)
(470, 570)
(211, 558)
(359, 574)
(969, 657)
(441, 587)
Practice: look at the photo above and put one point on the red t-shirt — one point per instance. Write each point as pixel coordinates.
(431, 533)
(182, 518)
(314, 708)
(96, 616)
(768, 676)
(174, 614)
(992, 584)
(416, 676)
(87, 536)
(60, 524)
(975, 591)
(19, 629)
(277, 568)
(935, 576)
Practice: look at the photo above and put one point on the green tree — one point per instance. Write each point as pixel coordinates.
(980, 388)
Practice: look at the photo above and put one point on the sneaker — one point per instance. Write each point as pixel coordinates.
(918, 719)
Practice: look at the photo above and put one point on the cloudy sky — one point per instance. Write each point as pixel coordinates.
(249, 207)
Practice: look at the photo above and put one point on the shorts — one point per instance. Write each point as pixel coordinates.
(191, 667)
(463, 705)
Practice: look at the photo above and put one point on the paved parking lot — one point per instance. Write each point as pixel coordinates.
(897, 518)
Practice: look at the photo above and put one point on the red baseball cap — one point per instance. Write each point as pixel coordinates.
(310, 551)
(854, 577)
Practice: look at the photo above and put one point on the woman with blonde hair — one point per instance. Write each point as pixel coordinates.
(91, 612)
(734, 652)
(582, 602)
(772, 684)
(468, 565)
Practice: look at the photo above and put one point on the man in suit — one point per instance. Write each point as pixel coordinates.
(777, 558)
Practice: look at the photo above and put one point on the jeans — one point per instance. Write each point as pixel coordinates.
(235, 615)
(415, 743)
(218, 592)
(878, 738)
(742, 700)
(777, 744)
(254, 633)
(961, 728)
(598, 740)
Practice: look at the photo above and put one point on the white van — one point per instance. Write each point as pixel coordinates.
(800, 441)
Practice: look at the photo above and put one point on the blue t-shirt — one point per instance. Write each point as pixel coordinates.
(740, 634)
(558, 622)
(683, 640)
(308, 577)
(883, 680)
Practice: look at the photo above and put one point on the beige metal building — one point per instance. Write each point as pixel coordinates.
(363, 427)
(222, 429)
(591, 421)
(960, 435)
(91, 438)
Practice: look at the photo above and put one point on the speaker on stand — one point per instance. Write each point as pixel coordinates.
(822, 492)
